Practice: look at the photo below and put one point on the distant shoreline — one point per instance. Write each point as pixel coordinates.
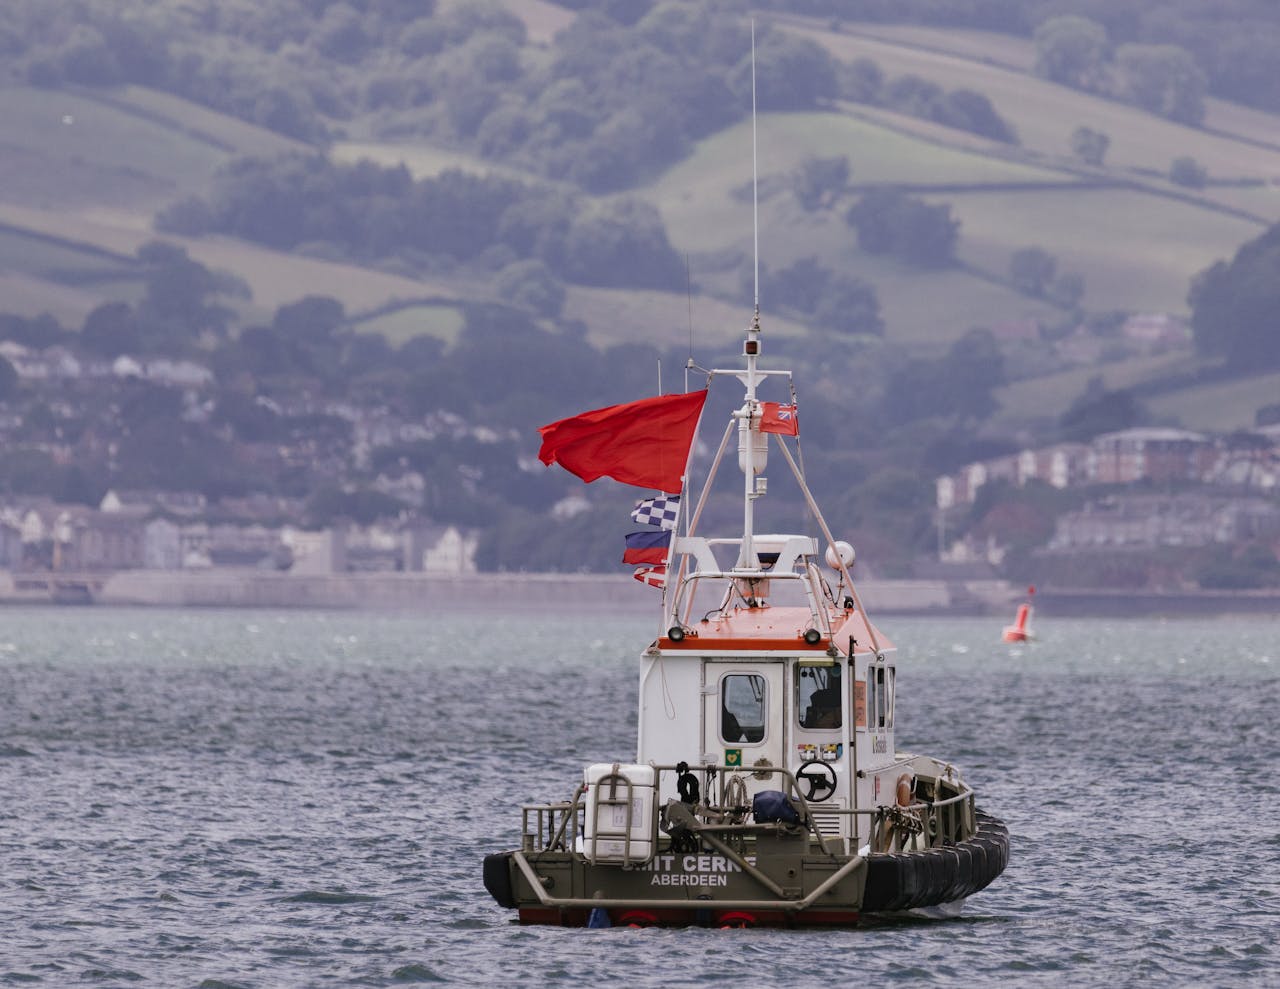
(523, 592)
(250, 588)
(1120, 603)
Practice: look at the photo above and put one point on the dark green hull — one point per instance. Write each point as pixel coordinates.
(809, 889)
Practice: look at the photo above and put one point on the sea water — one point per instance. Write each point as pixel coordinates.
(262, 799)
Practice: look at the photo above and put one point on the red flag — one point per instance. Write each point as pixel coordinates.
(645, 443)
(775, 418)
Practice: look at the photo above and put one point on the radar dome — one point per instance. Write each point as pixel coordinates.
(840, 552)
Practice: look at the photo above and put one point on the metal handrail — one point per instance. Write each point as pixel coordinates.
(573, 809)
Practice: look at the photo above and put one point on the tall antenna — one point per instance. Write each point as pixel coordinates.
(748, 453)
(688, 287)
(755, 188)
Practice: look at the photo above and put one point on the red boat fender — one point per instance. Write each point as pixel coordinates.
(736, 918)
(904, 790)
(637, 918)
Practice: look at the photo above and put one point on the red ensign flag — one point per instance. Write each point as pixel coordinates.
(645, 443)
(775, 418)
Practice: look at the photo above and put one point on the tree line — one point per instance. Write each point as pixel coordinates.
(365, 212)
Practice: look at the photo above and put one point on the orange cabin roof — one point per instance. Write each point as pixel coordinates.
(775, 629)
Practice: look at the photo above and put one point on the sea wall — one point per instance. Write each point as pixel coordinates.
(245, 588)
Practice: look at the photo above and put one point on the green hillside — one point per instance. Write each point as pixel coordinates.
(85, 170)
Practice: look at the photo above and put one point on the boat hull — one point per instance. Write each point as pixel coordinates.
(711, 893)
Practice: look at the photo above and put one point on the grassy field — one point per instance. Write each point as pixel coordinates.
(422, 160)
(1261, 200)
(1219, 407)
(201, 124)
(33, 255)
(434, 319)
(696, 195)
(1026, 401)
(932, 310)
(980, 46)
(1019, 54)
(65, 149)
(1135, 250)
(1045, 114)
(274, 277)
(663, 318)
(27, 295)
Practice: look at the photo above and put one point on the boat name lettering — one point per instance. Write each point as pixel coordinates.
(688, 879)
(691, 863)
(879, 744)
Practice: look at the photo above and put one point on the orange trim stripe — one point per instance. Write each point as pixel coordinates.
(742, 644)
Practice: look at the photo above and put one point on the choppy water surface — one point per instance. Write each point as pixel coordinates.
(227, 799)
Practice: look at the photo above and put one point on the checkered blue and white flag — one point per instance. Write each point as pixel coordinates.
(660, 511)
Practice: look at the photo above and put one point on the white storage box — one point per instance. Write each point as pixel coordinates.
(616, 811)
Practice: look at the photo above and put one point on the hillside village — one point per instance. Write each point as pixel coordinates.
(1138, 490)
(172, 530)
(1144, 488)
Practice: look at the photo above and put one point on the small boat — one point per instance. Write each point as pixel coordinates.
(1020, 630)
(767, 788)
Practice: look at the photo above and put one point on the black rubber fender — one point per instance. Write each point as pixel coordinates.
(938, 869)
(927, 870)
(950, 873)
(977, 866)
(497, 878)
(911, 881)
(905, 880)
(890, 883)
(917, 893)
(880, 872)
(995, 862)
(991, 862)
(884, 885)
(964, 870)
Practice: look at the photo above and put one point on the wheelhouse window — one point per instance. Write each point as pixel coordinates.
(742, 707)
(818, 696)
(880, 697)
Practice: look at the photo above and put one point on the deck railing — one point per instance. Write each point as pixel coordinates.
(929, 823)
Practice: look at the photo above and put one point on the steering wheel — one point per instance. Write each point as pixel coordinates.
(819, 778)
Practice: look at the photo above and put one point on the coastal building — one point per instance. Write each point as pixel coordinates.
(1154, 454)
(440, 549)
(146, 502)
(1148, 521)
(1061, 466)
(320, 552)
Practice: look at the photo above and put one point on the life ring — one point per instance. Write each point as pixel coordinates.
(902, 798)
